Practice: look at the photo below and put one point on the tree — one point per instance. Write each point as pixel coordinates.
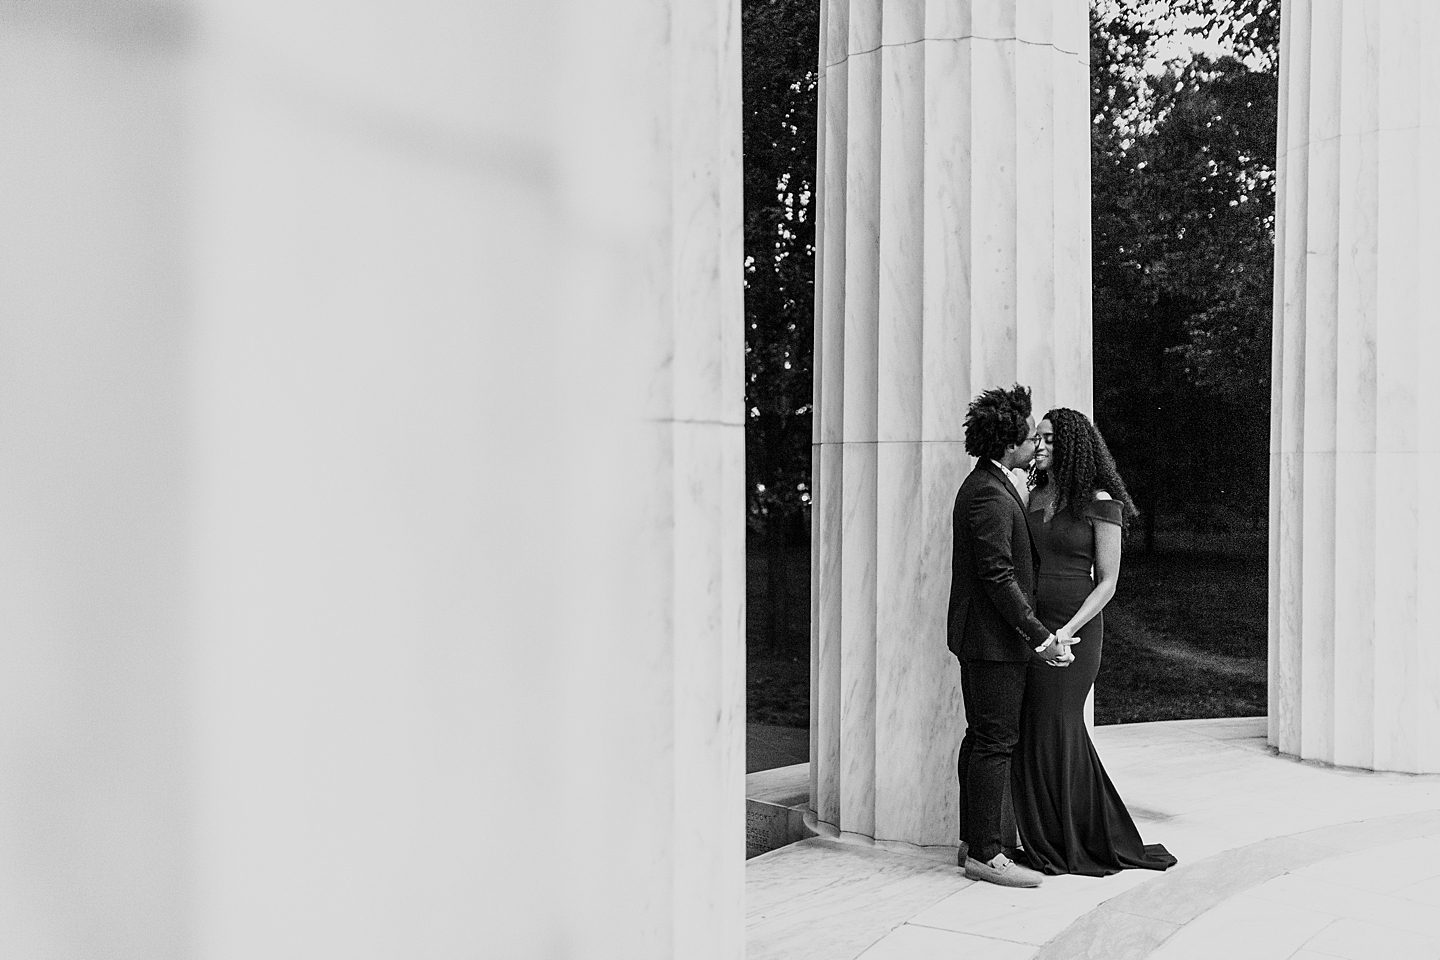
(1249, 27)
(1183, 222)
(781, 44)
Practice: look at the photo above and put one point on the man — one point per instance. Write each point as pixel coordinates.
(992, 628)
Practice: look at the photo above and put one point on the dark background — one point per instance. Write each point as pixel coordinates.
(1183, 169)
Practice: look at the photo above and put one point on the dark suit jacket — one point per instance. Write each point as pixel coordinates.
(992, 572)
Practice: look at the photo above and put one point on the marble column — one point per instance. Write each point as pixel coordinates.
(1354, 528)
(953, 255)
(371, 480)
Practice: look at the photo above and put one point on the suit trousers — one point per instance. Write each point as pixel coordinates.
(993, 692)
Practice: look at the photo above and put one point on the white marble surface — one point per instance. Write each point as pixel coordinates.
(1008, 914)
(913, 942)
(827, 898)
(915, 796)
(830, 229)
(93, 732)
(865, 26)
(1357, 906)
(825, 676)
(374, 511)
(953, 255)
(1353, 571)
(860, 358)
(473, 570)
(1275, 857)
(900, 399)
(787, 786)
(858, 641)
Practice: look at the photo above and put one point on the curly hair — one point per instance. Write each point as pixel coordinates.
(1081, 464)
(995, 420)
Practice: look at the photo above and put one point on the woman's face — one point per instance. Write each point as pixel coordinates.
(1044, 445)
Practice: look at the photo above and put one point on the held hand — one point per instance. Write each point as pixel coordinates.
(1056, 654)
(1064, 639)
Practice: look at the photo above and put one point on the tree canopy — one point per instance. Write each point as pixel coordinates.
(781, 42)
(1183, 160)
(1183, 214)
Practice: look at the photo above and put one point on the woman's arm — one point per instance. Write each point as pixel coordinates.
(1107, 577)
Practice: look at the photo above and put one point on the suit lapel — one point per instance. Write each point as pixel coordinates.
(999, 474)
(1009, 487)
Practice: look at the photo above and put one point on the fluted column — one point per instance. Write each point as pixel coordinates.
(371, 480)
(953, 255)
(1354, 521)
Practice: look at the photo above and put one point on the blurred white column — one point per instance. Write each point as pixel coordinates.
(371, 481)
(1355, 434)
(954, 255)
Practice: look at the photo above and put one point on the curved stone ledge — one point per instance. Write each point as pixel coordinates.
(1134, 924)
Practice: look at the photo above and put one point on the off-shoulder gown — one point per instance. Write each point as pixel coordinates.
(1069, 816)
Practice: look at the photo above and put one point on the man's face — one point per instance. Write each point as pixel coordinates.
(1022, 455)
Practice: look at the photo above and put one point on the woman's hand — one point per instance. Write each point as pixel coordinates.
(1065, 636)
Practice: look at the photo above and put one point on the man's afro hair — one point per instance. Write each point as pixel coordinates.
(995, 420)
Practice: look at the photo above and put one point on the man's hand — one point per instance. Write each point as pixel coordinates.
(1054, 653)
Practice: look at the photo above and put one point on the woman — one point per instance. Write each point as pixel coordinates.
(1069, 816)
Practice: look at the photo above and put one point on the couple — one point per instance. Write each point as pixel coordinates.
(1025, 623)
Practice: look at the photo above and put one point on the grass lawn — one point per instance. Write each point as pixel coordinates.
(777, 689)
(777, 638)
(1185, 637)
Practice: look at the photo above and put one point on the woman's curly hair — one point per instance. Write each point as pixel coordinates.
(1080, 464)
(995, 420)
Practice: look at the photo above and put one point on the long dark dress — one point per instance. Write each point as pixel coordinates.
(1068, 813)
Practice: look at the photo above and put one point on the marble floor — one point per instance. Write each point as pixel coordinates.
(1278, 859)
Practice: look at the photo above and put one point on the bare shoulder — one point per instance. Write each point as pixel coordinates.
(1102, 495)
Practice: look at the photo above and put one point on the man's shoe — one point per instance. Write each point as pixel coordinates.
(1003, 871)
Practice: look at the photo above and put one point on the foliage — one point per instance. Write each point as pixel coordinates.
(1183, 220)
(1185, 637)
(1183, 159)
(780, 84)
(1249, 27)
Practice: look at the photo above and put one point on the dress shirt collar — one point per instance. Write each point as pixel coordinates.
(1020, 488)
